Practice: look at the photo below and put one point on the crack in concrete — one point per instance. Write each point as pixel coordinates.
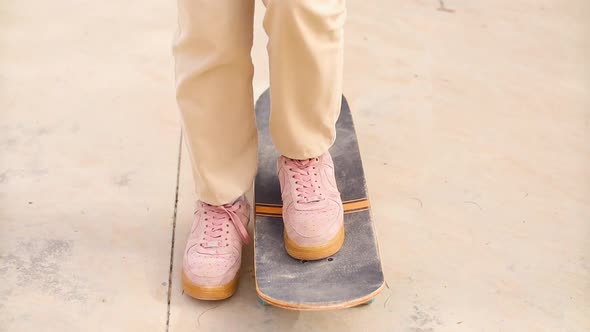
(202, 313)
(173, 231)
(443, 8)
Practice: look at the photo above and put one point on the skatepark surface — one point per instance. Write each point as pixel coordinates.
(473, 120)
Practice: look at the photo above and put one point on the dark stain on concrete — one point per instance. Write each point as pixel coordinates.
(42, 131)
(123, 180)
(8, 143)
(38, 264)
(3, 176)
(75, 128)
(423, 321)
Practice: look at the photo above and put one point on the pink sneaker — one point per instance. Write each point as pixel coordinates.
(214, 250)
(312, 208)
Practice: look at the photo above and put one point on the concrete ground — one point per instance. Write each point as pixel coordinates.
(474, 124)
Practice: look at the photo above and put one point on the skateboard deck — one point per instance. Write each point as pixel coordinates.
(348, 278)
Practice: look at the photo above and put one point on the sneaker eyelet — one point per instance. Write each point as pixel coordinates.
(227, 245)
(226, 225)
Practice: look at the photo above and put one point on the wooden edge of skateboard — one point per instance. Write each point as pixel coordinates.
(319, 307)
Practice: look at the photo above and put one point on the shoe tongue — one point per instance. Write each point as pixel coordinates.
(303, 163)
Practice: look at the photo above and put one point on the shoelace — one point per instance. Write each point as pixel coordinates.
(215, 218)
(305, 172)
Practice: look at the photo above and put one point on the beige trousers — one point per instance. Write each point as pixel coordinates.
(214, 85)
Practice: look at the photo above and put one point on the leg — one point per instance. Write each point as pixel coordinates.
(214, 93)
(305, 53)
(305, 50)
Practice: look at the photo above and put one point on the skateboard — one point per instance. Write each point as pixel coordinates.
(353, 276)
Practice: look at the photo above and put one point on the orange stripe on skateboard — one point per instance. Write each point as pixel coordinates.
(354, 205)
(275, 210)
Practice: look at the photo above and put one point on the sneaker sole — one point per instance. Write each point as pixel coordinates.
(210, 293)
(314, 252)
